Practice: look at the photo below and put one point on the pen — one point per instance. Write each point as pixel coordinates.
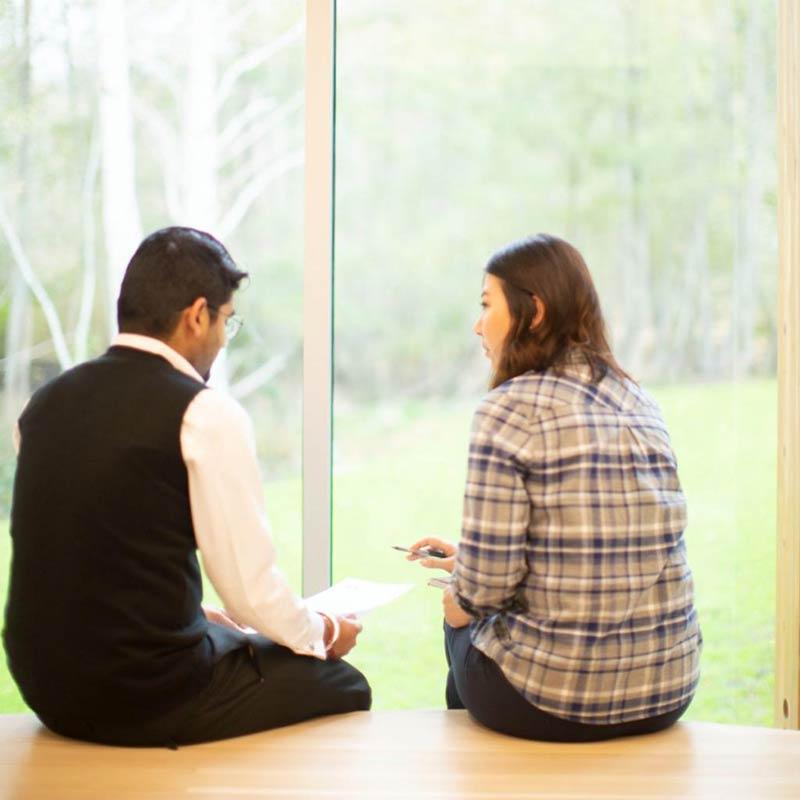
(430, 552)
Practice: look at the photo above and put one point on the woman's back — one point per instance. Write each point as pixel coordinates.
(572, 551)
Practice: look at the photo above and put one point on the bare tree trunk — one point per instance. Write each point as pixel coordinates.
(199, 118)
(69, 58)
(688, 326)
(708, 363)
(199, 132)
(18, 328)
(635, 256)
(18, 347)
(214, 135)
(32, 281)
(204, 99)
(89, 250)
(748, 203)
(122, 226)
(572, 223)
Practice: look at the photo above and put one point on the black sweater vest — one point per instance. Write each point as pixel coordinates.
(103, 619)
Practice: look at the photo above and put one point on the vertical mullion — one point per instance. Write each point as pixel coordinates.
(787, 628)
(318, 295)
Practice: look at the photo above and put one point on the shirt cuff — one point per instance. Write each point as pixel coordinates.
(316, 638)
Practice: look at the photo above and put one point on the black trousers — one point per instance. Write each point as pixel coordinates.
(259, 686)
(477, 683)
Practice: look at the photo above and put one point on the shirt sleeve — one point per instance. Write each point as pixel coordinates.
(491, 560)
(231, 527)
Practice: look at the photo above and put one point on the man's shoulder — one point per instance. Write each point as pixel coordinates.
(142, 372)
(111, 378)
(121, 360)
(213, 410)
(74, 376)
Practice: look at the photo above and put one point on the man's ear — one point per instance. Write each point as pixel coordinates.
(195, 316)
(539, 314)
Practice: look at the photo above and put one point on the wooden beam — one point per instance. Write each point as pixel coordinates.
(787, 629)
(396, 755)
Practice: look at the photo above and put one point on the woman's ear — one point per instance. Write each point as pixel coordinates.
(539, 314)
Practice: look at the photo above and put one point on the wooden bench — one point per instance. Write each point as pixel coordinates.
(430, 755)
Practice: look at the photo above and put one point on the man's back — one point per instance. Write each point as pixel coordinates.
(126, 469)
(104, 614)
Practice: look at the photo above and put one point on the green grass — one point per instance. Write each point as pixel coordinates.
(399, 475)
(726, 440)
(10, 701)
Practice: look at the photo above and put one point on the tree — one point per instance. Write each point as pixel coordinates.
(121, 223)
(18, 327)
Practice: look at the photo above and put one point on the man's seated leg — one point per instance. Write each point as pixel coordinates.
(266, 686)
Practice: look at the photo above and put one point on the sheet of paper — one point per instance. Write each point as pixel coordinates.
(356, 596)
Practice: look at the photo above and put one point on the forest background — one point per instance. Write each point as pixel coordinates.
(643, 132)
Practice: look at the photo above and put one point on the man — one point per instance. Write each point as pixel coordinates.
(126, 466)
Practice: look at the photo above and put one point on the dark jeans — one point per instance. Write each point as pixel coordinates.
(254, 688)
(476, 683)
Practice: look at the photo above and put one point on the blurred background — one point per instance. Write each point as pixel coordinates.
(643, 132)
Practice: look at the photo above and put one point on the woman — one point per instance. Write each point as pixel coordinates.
(569, 616)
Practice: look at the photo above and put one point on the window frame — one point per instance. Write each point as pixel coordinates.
(320, 65)
(787, 612)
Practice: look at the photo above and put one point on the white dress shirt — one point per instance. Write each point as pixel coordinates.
(228, 514)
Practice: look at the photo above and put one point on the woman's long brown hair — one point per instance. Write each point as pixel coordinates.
(554, 271)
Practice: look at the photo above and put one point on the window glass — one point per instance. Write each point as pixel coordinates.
(121, 118)
(644, 134)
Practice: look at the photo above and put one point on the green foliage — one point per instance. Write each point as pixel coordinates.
(630, 128)
(406, 481)
(400, 473)
(643, 132)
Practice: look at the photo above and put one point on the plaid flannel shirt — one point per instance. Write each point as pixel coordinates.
(572, 556)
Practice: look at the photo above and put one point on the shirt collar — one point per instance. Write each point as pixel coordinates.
(158, 348)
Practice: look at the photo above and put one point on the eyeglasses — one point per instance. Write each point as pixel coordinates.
(233, 322)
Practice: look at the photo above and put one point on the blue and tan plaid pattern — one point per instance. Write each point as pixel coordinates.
(572, 554)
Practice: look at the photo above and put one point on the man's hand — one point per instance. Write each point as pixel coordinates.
(454, 615)
(447, 564)
(349, 628)
(222, 618)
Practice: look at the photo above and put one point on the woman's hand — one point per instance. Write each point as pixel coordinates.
(454, 615)
(222, 618)
(447, 564)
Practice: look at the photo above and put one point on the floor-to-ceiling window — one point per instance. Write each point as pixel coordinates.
(120, 118)
(642, 132)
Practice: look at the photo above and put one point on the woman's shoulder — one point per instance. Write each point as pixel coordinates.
(629, 395)
(513, 410)
(536, 393)
(507, 410)
(519, 395)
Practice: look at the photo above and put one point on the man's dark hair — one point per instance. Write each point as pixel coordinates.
(170, 269)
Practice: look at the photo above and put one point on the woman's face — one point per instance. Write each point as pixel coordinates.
(495, 319)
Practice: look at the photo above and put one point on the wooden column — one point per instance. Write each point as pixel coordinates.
(787, 667)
